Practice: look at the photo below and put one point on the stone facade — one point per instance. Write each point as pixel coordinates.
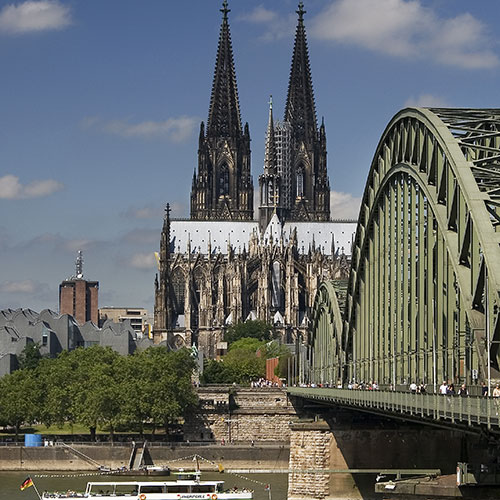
(240, 415)
(309, 449)
(352, 440)
(221, 266)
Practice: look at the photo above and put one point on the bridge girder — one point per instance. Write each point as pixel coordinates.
(424, 288)
(326, 354)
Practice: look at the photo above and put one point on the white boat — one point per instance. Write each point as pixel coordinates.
(187, 486)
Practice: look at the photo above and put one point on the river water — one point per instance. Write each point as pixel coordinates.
(10, 483)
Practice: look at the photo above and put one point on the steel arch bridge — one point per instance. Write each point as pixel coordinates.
(424, 288)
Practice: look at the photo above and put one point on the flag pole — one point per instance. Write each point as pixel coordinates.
(36, 489)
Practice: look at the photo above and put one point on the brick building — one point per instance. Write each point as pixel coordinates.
(79, 297)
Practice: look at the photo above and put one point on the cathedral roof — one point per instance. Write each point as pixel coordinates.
(274, 229)
(224, 114)
(238, 233)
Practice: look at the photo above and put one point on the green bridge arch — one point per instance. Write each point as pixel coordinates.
(424, 287)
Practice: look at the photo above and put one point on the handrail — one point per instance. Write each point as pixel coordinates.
(469, 410)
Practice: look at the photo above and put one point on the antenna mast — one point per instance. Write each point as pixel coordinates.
(79, 265)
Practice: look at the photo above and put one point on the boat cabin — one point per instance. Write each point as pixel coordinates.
(201, 490)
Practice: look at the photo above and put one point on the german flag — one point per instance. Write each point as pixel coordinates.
(27, 483)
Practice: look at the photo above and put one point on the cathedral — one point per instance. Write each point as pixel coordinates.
(224, 264)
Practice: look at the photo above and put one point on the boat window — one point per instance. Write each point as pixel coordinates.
(122, 489)
(178, 489)
(202, 488)
(151, 489)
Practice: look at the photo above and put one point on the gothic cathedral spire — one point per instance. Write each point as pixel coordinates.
(300, 110)
(270, 180)
(309, 185)
(223, 188)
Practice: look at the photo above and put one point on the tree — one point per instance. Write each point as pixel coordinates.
(160, 389)
(256, 329)
(19, 399)
(240, 365)
(30, 356)
(55, 380)
(97, 390)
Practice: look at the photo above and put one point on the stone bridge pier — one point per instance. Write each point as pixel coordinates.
(343, 440)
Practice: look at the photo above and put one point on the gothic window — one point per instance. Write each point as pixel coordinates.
(198, 280)
(300, 181)
(302, 293)
(277, 288)
(223, 180)
(179, 290)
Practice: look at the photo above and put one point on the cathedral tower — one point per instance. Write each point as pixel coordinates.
(270, 181)
(222, 189)
(309, 187)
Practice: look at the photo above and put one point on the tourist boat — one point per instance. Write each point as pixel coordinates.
(187, 486)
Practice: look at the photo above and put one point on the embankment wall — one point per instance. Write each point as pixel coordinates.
(59, 458)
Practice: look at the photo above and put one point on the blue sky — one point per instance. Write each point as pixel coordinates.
(101, 101)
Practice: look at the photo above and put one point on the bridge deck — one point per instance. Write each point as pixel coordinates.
(471, 411)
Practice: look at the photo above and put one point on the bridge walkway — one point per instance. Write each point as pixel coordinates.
(471, 411)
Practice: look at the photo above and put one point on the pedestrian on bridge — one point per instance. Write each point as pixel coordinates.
(484, 390)
(443, 388)
(463, 391)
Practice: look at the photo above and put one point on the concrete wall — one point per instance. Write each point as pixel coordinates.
(57, 458)
(240, 414)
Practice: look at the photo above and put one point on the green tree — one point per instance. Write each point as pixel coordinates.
(19, 399)
(216, 372)
(244, 361)
(159, 389)
(30, 356)
(55, 381)
(256, 329)
(97, 391)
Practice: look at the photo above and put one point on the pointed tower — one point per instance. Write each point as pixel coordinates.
(270, 180)
(309, 186)
(223, 188)
(163, 312)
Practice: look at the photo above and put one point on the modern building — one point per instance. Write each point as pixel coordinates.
(222, 265)
(79, 297)
(137, 316)
(54, 333)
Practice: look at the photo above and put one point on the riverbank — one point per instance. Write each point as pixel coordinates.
(87, 457)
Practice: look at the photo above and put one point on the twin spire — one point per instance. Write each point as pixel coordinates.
(224, 117)
(224, 113)
(295, 158)
(300, 108)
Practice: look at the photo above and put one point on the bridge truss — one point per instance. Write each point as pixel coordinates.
(424, 288)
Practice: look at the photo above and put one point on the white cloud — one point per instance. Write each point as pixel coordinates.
(276, 26)
(406, 28)
(12, 189)
(26, 286)
(34, 16)
(344, 205)
(176, 129)
(425, 101)
(147, 212)
(78, 244)
(143, 261)
(259, 15)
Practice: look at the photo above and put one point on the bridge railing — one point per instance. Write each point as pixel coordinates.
(465, 410)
